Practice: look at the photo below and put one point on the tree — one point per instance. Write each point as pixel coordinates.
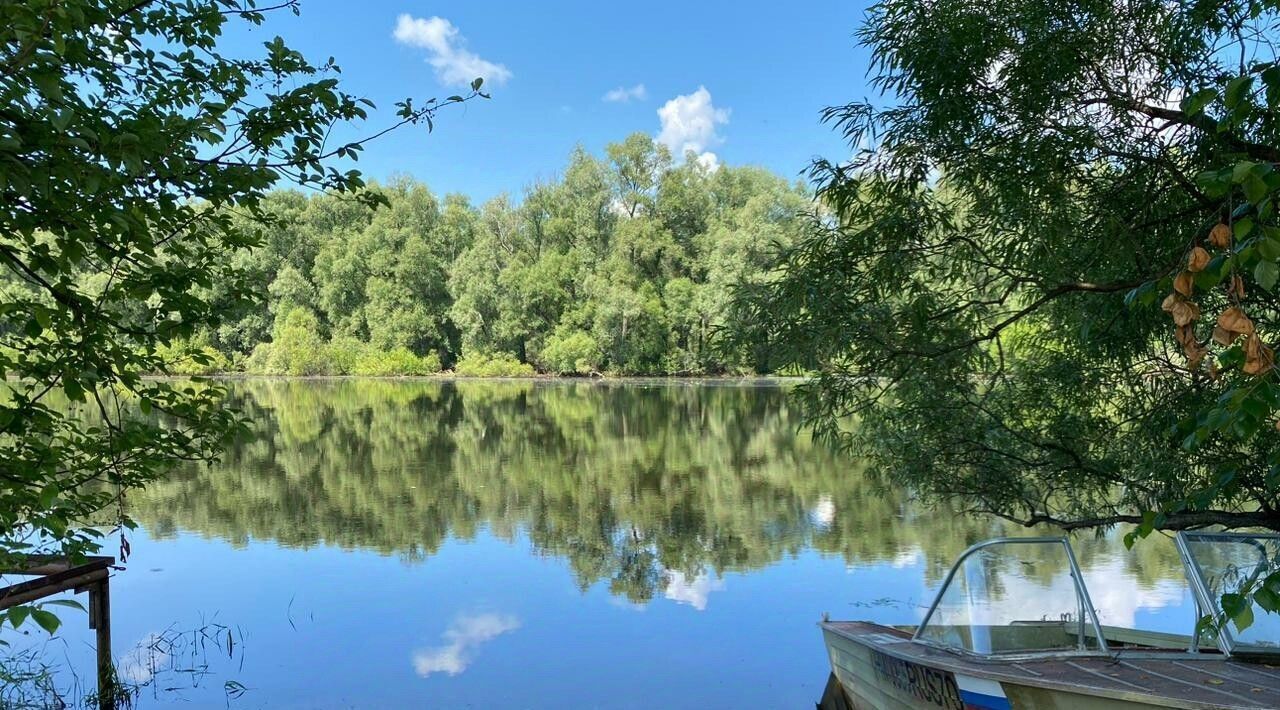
(570, 280)
(128, 146)
(981, 298)
(639, 163)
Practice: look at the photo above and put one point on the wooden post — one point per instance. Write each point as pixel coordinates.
(100, 621)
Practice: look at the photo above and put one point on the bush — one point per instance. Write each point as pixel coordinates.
(296, 347)
(296, 353)
(573, 351)
(258, 362)
(495, 365)
(343, 353)
(398, 361)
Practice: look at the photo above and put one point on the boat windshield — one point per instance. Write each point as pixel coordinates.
(1013, 596)
(1233, 568)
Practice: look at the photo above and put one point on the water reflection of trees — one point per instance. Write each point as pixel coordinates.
(627, 482)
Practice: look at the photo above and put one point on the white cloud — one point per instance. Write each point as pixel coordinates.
(624, 94)
(689, 124)
(467, 632)
(148, 657)
(454, 64)
(693, 592)
(709, 161)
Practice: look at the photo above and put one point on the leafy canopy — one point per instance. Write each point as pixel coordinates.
(1034, 179)
(127, 143)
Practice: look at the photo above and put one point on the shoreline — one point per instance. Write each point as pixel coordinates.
(557, 379)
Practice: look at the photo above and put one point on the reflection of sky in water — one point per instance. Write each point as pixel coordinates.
(693, 592)
(416, 544)
(326, 628)
(464, 636)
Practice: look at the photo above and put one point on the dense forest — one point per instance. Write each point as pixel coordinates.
(624, 264)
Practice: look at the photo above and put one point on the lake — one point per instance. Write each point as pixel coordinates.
(525, 544)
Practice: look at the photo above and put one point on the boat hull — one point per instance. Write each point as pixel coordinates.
(878, 668)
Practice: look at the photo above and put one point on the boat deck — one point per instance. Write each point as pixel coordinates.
(1167, 677)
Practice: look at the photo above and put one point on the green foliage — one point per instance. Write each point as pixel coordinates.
(192, 357)
(492, 365)
(399, 361)
(635, 254)
(983, 299)
(571, 351)
(297, 349)
(135, 162)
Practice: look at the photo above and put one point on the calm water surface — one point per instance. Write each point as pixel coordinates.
(535, 545)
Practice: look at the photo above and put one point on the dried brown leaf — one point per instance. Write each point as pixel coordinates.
(1234, 320)
(1236, 287)
(1197, 260)
(1185, 313)
(1220, 236)
(1184, 283)
(1258, 357)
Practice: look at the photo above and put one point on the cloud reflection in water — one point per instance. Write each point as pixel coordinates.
(463, 637)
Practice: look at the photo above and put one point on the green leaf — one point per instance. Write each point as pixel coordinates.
(1266, 273)
(69, 603)
(1271, 80)
(1242, 170)
(1268, 600)
(49, 85)
(46, 619)
(1233, 603)
(61, 119)
(18, 614)
(1237, 89)
(1215, 183)
(1195, 103)
(1255, 189)
(48, 494)
(1243, 619)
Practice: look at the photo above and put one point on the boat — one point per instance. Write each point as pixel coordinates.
(990, 640)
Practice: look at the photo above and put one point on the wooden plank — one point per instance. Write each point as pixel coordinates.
(41, 565)
(50, 585)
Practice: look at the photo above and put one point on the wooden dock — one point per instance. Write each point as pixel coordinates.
(54, 575)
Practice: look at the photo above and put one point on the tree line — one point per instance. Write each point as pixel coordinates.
(624, 264)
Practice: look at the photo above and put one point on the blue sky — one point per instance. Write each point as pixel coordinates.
(743, 81)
